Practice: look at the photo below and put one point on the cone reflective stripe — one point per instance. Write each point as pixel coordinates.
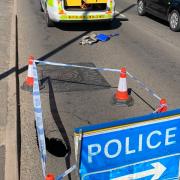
(50, 177)
(163, 106)
(122, 92)
(30, 79)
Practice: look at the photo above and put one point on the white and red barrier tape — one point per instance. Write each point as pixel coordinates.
(38, 110)
(151, 92)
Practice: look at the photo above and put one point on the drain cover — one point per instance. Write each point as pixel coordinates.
(68, 79)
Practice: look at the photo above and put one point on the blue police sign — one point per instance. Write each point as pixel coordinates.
(145, 147)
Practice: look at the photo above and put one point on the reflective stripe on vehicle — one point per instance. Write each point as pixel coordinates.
(50, 3)
(89, 17)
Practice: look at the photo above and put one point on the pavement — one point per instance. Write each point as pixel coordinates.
(5, 30)
(8, 131)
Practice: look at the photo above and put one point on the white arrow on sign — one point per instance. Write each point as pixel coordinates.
(157, 171)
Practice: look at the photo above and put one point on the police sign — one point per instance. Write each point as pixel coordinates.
(145, 147)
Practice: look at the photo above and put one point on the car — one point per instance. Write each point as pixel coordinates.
(168, 10)
(77, 10)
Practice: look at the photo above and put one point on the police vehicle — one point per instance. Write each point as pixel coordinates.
(78, 10)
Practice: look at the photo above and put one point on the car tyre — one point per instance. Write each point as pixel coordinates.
(174, 21)
(141, 7)
(41, 8)
(49, 22)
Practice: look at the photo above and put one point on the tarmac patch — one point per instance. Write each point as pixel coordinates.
(68, 79)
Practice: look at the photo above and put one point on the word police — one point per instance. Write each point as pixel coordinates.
(126, 145)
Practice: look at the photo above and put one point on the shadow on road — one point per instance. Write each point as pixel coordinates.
(131, 91)
(59, 124)
(90, 26)
(56, 50)
(56, 147)
(18, 108)
(128, 8)
(7, 73)
(154, 18)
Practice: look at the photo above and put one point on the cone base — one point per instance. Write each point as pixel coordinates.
(29, 88)
(129, 102)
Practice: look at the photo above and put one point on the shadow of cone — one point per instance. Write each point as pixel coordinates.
(122, 97)
(29, 81)
(50, 177)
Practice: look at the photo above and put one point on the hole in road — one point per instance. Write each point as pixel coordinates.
(56, 147)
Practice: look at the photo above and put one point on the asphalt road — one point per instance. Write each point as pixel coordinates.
(72, 97)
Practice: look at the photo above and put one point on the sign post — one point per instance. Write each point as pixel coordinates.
(146, 147)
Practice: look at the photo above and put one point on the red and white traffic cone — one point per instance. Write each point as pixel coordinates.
(28, 84)
(163, 107)
(50, 177)
(121, 96)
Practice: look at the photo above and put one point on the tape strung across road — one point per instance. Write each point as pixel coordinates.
(38, 108)
(61, 176)
(76, 66)
(151, 92)
(39, 120)
(40, 127)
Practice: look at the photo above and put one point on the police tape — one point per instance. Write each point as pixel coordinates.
(76, 66)
(61, 176)
(151, 92)
(38, 109)
(39, 120)
(40, 128)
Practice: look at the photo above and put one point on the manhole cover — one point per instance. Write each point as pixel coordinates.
(68, 79)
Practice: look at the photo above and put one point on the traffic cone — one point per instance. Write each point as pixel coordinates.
(50, 177)
(122, 97)
(28, 84)
(162, 106)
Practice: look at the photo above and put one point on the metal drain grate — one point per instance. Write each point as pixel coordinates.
(67, 79)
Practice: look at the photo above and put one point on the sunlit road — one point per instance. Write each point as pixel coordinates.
(71, 97)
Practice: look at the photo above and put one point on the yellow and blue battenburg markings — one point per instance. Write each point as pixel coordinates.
(39, 120)
(50, 3)
(145, 148)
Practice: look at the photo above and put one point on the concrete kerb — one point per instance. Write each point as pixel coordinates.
(11, 155)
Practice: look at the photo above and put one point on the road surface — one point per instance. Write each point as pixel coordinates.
(71, 97)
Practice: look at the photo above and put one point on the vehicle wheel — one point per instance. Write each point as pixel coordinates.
(49, 22)
(141, 7)
(174, 21)
(41, 8)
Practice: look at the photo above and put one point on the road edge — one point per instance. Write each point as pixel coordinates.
(11, 154)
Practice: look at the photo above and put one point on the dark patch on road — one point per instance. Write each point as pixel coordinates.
(65, 79)
(158, 20)
(56, 147)
(2, 162)
(18, 108)
(90, 26)
(128, 8)
(56, 50)
(59, 124)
